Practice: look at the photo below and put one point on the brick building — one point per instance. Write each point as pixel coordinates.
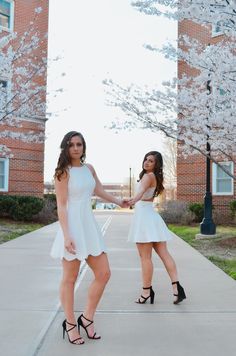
(23, 174)
(191, 171)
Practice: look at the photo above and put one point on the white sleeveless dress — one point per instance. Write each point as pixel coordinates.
(83, 227)
(147, 225)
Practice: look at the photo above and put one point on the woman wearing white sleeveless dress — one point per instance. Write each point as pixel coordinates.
(79, 236)
(149, 231)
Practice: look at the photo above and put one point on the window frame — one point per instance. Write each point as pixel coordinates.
(6, 174)
(11, 24)
(8, 86)
(214, 32)
(214, 179)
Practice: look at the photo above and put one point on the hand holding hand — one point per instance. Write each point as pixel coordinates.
(124, 203)
(70, 246)
(131, 202)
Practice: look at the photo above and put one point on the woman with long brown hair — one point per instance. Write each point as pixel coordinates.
(149, 231)
(79, 237)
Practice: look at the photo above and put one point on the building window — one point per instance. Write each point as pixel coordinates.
(223, 184)
(6, 14)
(5, 96)
(4, 174)
(216, 30)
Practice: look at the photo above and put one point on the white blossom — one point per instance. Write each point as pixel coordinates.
(194, 108)
(23, 70)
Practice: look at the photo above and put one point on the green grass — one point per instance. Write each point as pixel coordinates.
(187, 233)
(9, 229)
(228, 266)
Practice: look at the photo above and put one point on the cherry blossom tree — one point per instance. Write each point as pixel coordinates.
(195, 108)
(23, 69)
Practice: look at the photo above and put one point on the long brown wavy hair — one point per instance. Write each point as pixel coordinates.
(64, 160)
(158, 171)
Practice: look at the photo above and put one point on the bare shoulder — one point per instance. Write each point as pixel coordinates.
(63, 178)
(147, 177)
(90, 167)
(150, 177)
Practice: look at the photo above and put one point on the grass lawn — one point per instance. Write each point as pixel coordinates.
(11, 229)
(220, 250)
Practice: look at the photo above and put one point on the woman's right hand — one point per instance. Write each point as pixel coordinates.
(70, 246)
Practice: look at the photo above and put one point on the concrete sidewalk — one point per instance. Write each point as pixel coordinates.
(204, 324)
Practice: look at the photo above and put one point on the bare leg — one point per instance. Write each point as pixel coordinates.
(145, 253)
(70, 273)
(169, 263)
(100, 267)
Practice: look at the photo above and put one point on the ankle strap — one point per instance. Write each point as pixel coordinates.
(91, 321)
(70, 323)
(177, 282)
(147, 287)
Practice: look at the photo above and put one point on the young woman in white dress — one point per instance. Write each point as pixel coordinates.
(79, 236)
(149, 231)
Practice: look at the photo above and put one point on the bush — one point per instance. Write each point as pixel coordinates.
(6, 202)
(176, 211)
(48, 214)
(51, 197)
(198, 210)
(20, 207)
(232, 206)
(25, 207)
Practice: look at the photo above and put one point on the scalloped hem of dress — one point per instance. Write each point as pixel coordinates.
(75, 257)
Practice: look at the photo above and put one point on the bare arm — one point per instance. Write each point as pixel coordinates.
(145, 183)
(100, 192)
(61, 188)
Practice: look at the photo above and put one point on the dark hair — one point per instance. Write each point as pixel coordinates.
(64, 159)
(158, 171)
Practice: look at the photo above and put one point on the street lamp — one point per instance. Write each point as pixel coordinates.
(207, 226)
(130, 186)
(130, 192)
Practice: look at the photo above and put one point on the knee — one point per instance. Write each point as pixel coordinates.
(103, 276)
(144, 257)
(70, 278)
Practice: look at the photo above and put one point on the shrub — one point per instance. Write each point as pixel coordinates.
(6, 202)
(25, 207)
(232, 206)
(51, 197)
(48, 214)
(198, 210)
(176, 211)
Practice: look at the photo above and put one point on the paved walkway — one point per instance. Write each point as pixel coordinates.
(31, 317)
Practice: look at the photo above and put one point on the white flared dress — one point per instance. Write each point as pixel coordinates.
(83, 227)
(147, 225)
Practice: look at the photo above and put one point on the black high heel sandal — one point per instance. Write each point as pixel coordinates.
(67, 331)
(80, 323)
(181, 294)
(144, 299)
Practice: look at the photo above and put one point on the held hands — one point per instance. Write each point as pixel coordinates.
(131, 202)
(124, 203)
(70, 246)
(127, 203)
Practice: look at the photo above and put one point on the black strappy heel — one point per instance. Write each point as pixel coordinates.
(181, 293)
(144, 299)
(67, 331)
(80, 323)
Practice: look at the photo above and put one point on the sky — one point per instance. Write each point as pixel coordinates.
(99, 40)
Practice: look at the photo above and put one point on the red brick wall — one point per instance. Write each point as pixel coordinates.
(26, 168)
(191, 171)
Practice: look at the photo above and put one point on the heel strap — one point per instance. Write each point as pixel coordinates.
(147, 287)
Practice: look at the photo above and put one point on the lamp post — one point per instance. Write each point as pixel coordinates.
(130, 186)
(130, 192)
(207, 226)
